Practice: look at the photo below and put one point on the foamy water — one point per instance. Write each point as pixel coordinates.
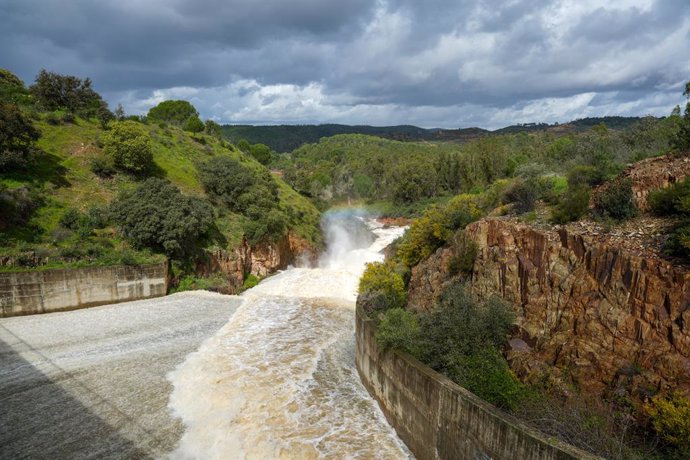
(279, 380)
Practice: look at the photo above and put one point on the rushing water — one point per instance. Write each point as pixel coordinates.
(279, 380)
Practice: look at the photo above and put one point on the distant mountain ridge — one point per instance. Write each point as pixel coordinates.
(285, 138)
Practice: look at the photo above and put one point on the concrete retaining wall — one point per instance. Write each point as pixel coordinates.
(438, 419)
(25, 293)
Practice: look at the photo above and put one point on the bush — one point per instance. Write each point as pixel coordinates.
(17, 205)
(436, 227)
(464, 253)
(572, 205)
(381, 288)
(102, 168)
(585, 175)
(522, 194)
(486, 373)
(237, 186)
(671, 418)
(678, 243)
(399, 329)
(173, 112)
(672, 200)
(615, 200)
(158, 216)
(194, 124)
(71, 219)
(65, 92)
(129, 145)
(17, 137)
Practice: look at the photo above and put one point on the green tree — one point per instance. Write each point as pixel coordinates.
(261, 153)
(194, 124)
(173, 112)
(399, 329)
(681, 140)
(129, 145)
(66, 92)
(213, 129)
(17, 137)
(381, 288)
(12, 89)
(157, 215)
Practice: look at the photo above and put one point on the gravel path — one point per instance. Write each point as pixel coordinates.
(92, 383)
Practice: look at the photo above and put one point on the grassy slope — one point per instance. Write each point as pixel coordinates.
(63, 175)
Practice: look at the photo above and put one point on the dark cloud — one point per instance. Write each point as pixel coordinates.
(362, 61)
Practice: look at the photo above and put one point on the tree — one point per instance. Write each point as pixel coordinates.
(66, 92)
(12, 89)
(17, 137)
(128, 144)
(173, 112)
(120, 113)
(681, 141)
(261, 153)
(158, 216)
(194, 125)
(213, 129)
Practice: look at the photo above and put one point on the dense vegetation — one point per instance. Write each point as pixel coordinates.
(81, 187)
(407, 176)
(536, 177)
(285, 138)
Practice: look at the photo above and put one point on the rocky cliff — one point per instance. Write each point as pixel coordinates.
(259, 260)
(587, 311)
(651, 174)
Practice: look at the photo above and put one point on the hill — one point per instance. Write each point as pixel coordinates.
(58, 208)
(285, 138)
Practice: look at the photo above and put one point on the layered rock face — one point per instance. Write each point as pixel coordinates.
(259, 260)
(596, 314)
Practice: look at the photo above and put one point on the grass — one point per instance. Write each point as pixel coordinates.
(62, 176)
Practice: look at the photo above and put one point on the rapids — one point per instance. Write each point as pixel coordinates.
(279, 379)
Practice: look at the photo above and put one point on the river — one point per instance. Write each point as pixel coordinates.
(278, 380)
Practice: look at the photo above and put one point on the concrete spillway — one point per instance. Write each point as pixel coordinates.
(270, 374)
(92, 383)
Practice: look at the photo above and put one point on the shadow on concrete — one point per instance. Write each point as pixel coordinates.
(40, 419)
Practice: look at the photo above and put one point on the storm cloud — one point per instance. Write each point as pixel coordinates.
(438, 63)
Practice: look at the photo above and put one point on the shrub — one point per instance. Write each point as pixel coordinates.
(486, 373)
(572, 205)
(615, 200)
(678, 243)
(382, 287)
(17, 137)
(71, 219)
(671, 200)
(522, 194)
(464, 253)
(399, 329)
(12, 89)
(585, 175)
(102, 168)
(158, 216)
(17, 205)
(194, 124)
(173, 112)
(671, 418)
(250, 281)
(237, 186)
(436, 227)
(128, 144)
(65, 92)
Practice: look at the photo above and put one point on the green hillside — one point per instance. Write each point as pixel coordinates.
(57, 202)
(285, 138)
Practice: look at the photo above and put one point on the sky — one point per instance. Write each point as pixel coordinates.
(432, 63)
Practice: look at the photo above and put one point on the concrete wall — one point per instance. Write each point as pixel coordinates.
(438, 419)
(42, 291)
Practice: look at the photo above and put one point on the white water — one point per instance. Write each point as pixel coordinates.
(279, 380)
